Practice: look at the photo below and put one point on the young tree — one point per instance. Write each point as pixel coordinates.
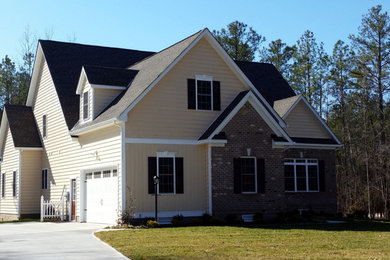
(240, 42)
(279, 54)
(7, 80)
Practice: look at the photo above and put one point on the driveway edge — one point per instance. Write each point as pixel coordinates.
(113, 249)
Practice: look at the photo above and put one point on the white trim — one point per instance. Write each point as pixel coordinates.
(170, 214)
(39, 58)
(316, 115)
(19, 183)
(259, 107)
(29, 148)
(303, 145)
(123, 167)
(172, 141)
(92, 104)
(209, 167)
(93, 127)
(83, 79)
(98, 86)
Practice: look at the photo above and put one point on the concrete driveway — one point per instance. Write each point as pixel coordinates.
(34, 240)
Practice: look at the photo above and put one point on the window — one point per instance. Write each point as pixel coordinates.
(248, 175)
(107, 174)
(114, 173)
(14, 183)
(97, 175)
(301, 175)
(85, 105)
(44, 179)
(88, 175)
(44, 126)
(169, 169)
(204, 93)
(3, 185)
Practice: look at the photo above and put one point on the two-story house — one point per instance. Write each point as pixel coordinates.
(223, 137)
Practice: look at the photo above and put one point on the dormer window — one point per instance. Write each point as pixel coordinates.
(85, 105)
(204, 93)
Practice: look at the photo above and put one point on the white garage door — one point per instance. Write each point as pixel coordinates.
(102, 196)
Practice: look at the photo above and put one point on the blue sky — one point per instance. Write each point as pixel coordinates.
(154, 25)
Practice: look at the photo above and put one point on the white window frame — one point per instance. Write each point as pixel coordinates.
(3, 177)
(255, 159)
(83, 105)
(204, 78)
(308, 162)
(47, 179)
(167, 155)
(44, 126)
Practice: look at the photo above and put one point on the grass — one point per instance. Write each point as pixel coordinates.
(352, 240)
(22, 220)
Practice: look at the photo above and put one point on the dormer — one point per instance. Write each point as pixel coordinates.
(98, 87)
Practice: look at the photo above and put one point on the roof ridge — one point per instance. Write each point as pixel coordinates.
(156, 53)
(105, 67)
(91, 45)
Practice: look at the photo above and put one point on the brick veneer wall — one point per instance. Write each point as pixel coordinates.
(248, 130)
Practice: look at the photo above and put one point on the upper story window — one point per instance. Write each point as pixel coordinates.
(44, 126)
(204, 93)
(85, 105)
(301, 175)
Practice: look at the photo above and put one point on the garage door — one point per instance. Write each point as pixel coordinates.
(102, 196)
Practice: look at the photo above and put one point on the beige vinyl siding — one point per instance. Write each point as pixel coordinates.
(9, 204)
(195, 196)
(30, 182)
(163, 112)
(103, 97)
(66, 157)
(301, 122)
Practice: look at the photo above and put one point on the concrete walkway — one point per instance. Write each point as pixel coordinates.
(34, 240)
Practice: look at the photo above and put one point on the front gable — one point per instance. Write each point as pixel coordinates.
(164, 113)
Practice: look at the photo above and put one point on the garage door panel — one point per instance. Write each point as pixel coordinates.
(102, 198)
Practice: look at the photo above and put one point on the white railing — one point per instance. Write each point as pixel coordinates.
(52, 209)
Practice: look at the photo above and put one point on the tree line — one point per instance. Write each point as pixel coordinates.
(349, 89)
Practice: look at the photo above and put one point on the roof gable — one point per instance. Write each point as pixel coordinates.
(65, 61)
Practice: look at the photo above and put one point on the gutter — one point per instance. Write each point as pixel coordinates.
(304, 145)
(94, 127)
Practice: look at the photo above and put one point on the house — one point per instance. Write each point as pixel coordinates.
(224, 137)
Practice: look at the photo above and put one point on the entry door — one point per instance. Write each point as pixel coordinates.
(73, 199)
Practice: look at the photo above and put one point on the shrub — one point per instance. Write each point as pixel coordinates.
(233, 219)
(258, 218)
(152, 224)
(177, 220)
(126, 219)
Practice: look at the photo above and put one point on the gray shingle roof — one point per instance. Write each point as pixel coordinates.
(109, 76)
(22, 125)
(283, 105)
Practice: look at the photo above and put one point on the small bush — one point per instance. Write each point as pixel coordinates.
(233, 219)
(177, 220)
(126, 219)
(258, 218)
(152, 224)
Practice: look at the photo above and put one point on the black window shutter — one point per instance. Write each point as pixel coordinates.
(179, 175)
(43, 180)
(152, 171)
(191, 93)
(216, 95)
(260, 176)
(321, 165)
(237, 175)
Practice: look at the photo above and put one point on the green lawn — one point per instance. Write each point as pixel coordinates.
(354, 240)
(22, 220)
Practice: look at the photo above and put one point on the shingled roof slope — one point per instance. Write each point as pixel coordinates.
(109, 76)
(22, 125)
(65, 61)
(267, 80)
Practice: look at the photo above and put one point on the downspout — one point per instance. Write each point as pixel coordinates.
(123, 164)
